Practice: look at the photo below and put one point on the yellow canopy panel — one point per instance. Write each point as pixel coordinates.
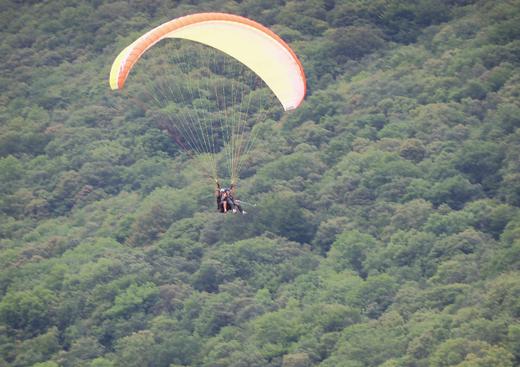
(254, 45)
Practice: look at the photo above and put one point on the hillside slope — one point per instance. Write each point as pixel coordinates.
(387, 230)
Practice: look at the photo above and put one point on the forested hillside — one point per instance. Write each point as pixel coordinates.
(387, 225)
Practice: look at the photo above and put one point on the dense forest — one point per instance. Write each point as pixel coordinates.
(387, 226)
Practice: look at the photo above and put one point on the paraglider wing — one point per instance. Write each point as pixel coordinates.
(249, 42)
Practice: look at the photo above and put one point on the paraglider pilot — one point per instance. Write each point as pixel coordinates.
(225, 200)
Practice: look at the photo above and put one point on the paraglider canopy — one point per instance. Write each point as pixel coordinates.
(249, 42)
(223, 76)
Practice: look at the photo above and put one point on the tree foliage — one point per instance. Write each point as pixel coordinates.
(383, 224)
